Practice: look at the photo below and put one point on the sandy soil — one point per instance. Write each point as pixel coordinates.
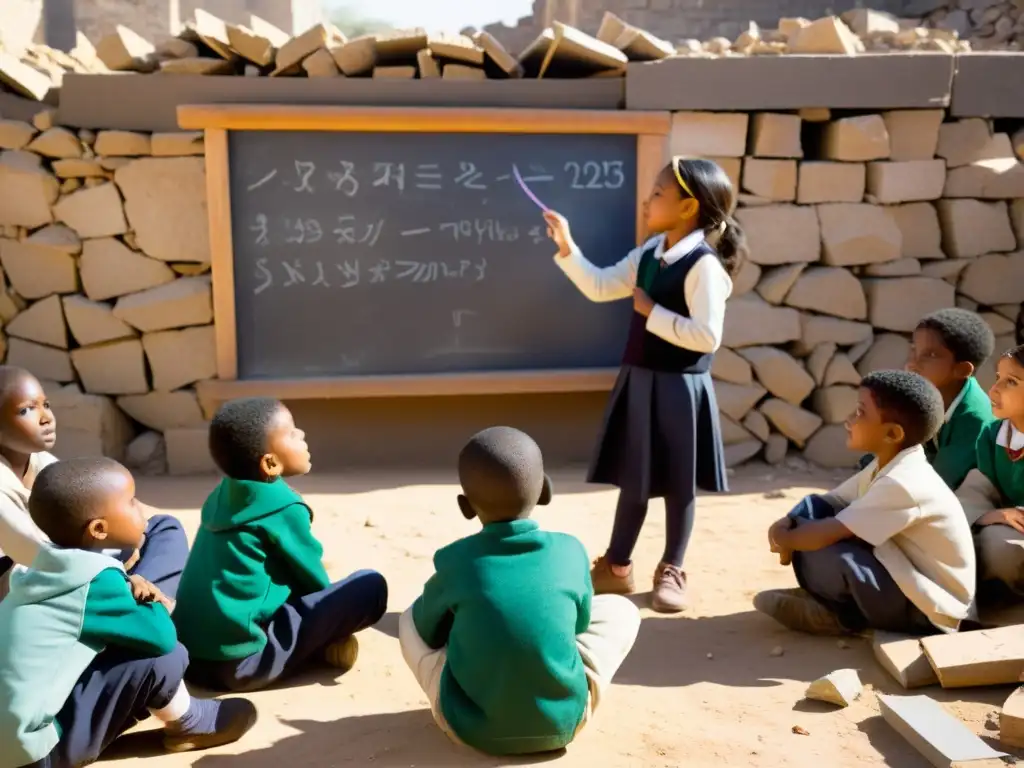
(701, 689)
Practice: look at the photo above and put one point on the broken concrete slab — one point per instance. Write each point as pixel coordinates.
(841, 688)
(903, 658)
(941, 738)
(976, 658)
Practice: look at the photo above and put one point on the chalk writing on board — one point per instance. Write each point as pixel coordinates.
(480, 230)
(349, 232)
(349, 273)
(345, 178)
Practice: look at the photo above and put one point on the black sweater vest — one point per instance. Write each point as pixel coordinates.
(665, 286)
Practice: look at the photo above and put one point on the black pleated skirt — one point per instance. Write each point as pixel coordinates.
(661, 436)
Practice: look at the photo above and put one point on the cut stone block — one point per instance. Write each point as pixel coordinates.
(746, 279)
(780, 373)
(973, 228)
(913, 133)
(841, 688)
(46, 363)
(735, 400)
(888, 352)
(830, 291)
(775, 135)
(320, 64)
(907, 181)
(177, 144)
(996, 175)
(818, 360)
(58, 237)
(78, 169)
(93, 322)
(751, 321)
(936, 734)
(775, 449)
(977, 658)
(15, 134)
(43, 323)
(919, 229)
(147, 455)
(164, 410)
(116, 368)
(841, 371)
(733, 433)
(821, 182)
(961, 141)
(94, 212)
(257, 47)
(755, 423)
(816, 330)
(110, 269)
(296, 50)
(856, 233)
(899, 303)
(827, 448)
(781, 234)
(56, 143)
(825, 35)
(856, 139)
(183, 302)
(709, 134)
(1011, 720)
(36, 271)
(732, 167)
(165, 200)
(90, 425)
(903, 658)
(771, 179)
(994, 279)
(1017, 220)
(729, 366)
(122, 144)
(180, 358)
(188, 452)
(776, 282)
(26, 194)
(898, 268)
(735, 455)
(792, 421)
(123, 50)
(834, 404)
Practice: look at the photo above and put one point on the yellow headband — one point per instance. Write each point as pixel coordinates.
(679, 176)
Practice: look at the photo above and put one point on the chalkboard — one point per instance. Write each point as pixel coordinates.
(417, 253)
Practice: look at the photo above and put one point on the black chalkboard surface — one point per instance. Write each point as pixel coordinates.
(417, 253)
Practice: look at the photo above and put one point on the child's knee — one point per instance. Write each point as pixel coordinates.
(1001, 554)
(374, 588)
(166, 672)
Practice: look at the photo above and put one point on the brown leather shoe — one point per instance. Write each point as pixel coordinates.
(669, 595)
(797, 610)
(608, 583)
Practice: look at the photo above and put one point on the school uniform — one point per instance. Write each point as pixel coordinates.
(509, 643)
(161, 558)
(910, 566)
(952, 451)
(997, 483)
(81, 661)
(255, 602)
(661, 435)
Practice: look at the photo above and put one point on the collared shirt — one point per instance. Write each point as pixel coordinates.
(1010, 437)
(707, 287)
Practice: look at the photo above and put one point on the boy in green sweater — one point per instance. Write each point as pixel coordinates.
(993, 493)
(255, 603)
(949, 346)
(84, 653)
(508, 641)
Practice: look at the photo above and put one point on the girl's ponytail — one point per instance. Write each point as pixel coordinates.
(732, 246)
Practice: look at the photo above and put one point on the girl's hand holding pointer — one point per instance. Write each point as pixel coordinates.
(558, 231)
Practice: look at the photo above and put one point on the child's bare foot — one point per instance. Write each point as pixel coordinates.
(611, 579)
(343, 654)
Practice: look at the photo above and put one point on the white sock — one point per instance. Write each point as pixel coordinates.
(176, 707)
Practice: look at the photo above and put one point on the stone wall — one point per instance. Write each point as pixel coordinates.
(858, 226)
(986, 23)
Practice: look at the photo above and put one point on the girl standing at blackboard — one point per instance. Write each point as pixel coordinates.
(661, 435)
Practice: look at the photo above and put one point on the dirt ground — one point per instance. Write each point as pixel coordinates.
(700, 689)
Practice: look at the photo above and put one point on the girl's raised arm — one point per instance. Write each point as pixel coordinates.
(596, 283)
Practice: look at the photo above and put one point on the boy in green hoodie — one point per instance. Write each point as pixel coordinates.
(255, 603)
(84, 653)
(508, 641)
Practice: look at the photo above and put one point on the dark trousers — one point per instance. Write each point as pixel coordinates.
(848, 580)
(114, 693)
(299, 632)
(161, 560)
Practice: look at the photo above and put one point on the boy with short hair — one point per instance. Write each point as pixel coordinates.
(84, 654)
(890, 548)
(255, 603)
(28, 430)
(508, 641)
(948, 348)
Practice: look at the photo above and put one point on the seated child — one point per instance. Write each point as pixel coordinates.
(890, 548)
(949, 346)
(84, 654)
(28, 430)
(255, 603)
(508, 642)
(993, 494)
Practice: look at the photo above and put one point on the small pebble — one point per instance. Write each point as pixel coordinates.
(775, 495)
(800, 731)
(843, 645)
(778, 650)
(711, 655)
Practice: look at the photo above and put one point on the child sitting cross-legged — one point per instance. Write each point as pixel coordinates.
(890, 548)
(508, 641)
(84, 653)
(255, 603)
(993, 493)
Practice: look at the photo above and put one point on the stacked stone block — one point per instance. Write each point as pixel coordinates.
(858, 226)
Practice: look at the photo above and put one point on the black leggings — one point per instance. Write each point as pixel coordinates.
(629, 519)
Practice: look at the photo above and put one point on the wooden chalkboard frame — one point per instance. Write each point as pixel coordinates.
(650, 128)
